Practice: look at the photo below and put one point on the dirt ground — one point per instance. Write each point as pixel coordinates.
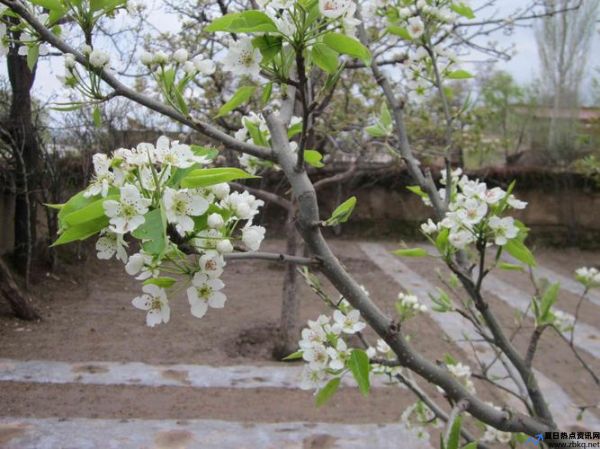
(87, 316)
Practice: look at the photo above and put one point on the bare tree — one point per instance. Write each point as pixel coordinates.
(563, 42)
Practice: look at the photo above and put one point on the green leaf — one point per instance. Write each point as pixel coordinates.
(449, 360)
(244, 22)
(441, 241)
(399, 31)
(152, 232)
(49, 4)
(293, 356)
(358, 363)
(241, 96)
(385, 116)
(106, 5)
(342, 213)
(548, 300)
(313, 158)
(463, 9)
(90, 212)
(207, 152)
(519, 251)
(510, 266)
(459, 75)
(97, 117)
(417, 191)
(376, 131)
(266, 93)
(327, 391)
(411, 252)
(269, 46)
(210, 176)
(454, 436)
(33, 53)
(471, 445)
(324, 57)
(162, 282)
(82, 231)
(348, 46)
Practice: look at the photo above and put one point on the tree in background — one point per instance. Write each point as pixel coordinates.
(563, 42)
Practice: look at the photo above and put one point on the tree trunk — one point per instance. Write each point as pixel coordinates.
(288, 323)
(19, 302)
(22, 139)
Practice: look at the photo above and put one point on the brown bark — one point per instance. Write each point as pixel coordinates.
(19, 301)
(21, 136)
(288, 323)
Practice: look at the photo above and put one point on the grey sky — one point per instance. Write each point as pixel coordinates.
(523, 66)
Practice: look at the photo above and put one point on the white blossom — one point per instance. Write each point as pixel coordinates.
(181, 55)
(103, 177)
(215, 221)
(109, 244)
(99, 59)
(181, 206)
(126, 214)
(416, 27)
(252, 236)
(204, 293)
(242, 58)
(504, 229)
(154, 300)
(211, 265)
(589, 277)
(334, 9)
(348, 323)
(224, 246)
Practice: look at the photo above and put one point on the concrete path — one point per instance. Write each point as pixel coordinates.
(18, 433)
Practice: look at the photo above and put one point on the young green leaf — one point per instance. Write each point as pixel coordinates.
(97, 117)
(459, 75)
(342, 213)
(90, 212)
(510, 266)
(313, 158)
(241, 96)
(519, 251)
(359, 366)
(163, 282)
(324, 57)
(49, 4)
(454, 436)
(207, 152)
(293, 356)
(269, 46)
(327, 391)
(244, 22)
(411, 252)
(82, 231)
(463, 9)
(347, 45)
(399, 31)
(152, 232)
(33, 53)
(205, 177)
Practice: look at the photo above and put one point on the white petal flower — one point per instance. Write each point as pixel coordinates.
(348, 323)
(154, 300)
(243, 58)
(589, 277)
(180, 56)
(143, 264)
(429, 227)
(212, 265)
(224, 246)
(220, 190)
(110, 244)
(127, 214)
(504, 229)
(103, 178)
(338, 355)
(333, 9)
(204, 293)
(316, 356)
(181, 206)
(461, 238)
(515, 203)
(252, 236)
(312, 378)
(215, 221)
(99, 59)
(416, 27)
(204, 66)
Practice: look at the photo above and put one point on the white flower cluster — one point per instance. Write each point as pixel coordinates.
(408, 306)
(422, 21)
(324, 349)
(589, 277)
(255, 130)
(140, 194)
(180, 59)
(492, 435)
(462, 373)
(475, 213)
(562, 321)
(417, 416)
